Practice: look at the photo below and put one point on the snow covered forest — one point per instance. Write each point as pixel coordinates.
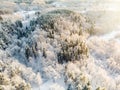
(59, 45)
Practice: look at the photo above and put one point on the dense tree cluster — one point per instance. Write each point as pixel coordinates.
(10, 31)
(77, 80)
(56, 22)
(7, 79)
(31, 51)
(72, 51)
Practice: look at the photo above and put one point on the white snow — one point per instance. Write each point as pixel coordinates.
(111, 35)
(53, 85)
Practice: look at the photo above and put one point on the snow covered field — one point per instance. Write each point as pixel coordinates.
(31, 56)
